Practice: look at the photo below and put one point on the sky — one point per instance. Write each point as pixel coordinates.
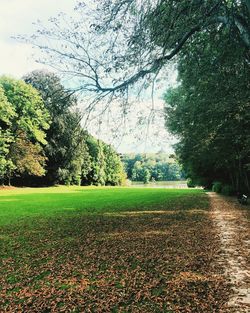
(17, 17)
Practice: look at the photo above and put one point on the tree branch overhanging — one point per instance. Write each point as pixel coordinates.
(93, 71)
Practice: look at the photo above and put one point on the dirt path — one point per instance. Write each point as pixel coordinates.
(233, 223)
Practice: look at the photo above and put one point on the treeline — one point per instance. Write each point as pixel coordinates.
(151, 167)
(41, 138)
(210, 111)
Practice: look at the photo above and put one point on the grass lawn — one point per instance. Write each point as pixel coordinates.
(96, 249)
(167, 183)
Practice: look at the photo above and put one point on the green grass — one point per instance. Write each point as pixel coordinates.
(19, 204)
(108, 249)
(164, 183)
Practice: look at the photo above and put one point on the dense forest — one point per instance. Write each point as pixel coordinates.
(41, 138)
(152, 167)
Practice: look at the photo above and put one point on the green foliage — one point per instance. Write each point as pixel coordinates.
(7, 114)
(73, 156)
(106, 167)
(8, 170)
(146, 176)
(227, 190)
(23, 124)
(27, 157)
(209, 111)
(190, 183)
(55, 96)
(65, 138)
(69, 155)
(31, 116)
(7, 111)
(151, 167)
(114, 170)
(217, 187)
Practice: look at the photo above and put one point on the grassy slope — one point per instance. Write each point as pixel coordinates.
(97, 250)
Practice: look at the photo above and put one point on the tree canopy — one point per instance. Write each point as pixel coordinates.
(65, 138)
(115, 43)
(42, 141)
(23, 124)
(210, 112)
(31, 117)
(7, 114)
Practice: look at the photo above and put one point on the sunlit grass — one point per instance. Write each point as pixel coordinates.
(107, 249)
(33, 202)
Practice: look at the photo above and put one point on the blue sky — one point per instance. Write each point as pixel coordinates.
(17, 59)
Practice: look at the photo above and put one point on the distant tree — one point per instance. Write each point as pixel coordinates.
(106, 166)
(146, 175)
(96, 175)
(114, 170)
(70, 150)
(156, 167)
(55, 96)
(137, 172)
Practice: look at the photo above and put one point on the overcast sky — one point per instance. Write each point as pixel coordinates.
(17, 59)
(16, 17)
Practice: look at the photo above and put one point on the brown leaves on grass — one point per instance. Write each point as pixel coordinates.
(134, 263)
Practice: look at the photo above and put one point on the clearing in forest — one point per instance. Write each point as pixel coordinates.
(91, 249)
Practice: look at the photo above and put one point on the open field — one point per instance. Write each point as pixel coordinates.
(91, 249)
(161, 184)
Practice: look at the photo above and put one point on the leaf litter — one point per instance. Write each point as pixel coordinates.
(106, 263)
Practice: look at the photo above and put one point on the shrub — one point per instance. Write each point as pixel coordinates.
(190, 183)
(227, 190)
(217, 186)
(77, 180)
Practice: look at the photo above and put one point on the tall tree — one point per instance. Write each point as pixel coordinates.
(210, 111)
(114, 170)
(7, 113)
(65, 138)
(23, 123)
(71, 150)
